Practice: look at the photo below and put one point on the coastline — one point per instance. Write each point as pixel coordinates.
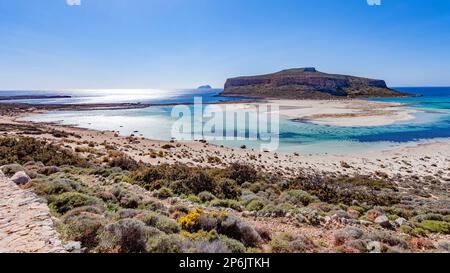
(418, 170)
(203, 154)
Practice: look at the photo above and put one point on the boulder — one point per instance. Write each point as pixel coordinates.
(20, 178)
(374, 247)
(444, 246)
(383, 221)
(2, 175)
(73, 247)
(402, 222)
(11, 169)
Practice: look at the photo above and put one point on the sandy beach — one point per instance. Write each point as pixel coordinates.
(426, 158)
(344, 112)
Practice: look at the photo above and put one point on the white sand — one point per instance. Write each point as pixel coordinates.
(344, 112)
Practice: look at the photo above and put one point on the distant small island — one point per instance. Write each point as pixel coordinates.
(307, 83)
(203, 87)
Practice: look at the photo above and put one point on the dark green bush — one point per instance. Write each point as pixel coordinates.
(227, 189)
(84, 227)
(171, 243)
(24, 149)
(242, 173)
(126, 236)
(240, 230)
(288, 243)
(159, 221)
(70, 200)
(124, 162)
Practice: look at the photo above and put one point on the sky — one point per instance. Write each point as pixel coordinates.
(172, 44)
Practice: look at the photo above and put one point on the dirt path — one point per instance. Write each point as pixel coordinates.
(25, 222)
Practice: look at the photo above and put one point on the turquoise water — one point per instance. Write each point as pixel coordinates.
(431, 122)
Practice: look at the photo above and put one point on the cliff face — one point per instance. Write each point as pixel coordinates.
(307, 83)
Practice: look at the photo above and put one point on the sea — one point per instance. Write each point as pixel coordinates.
(432, 119)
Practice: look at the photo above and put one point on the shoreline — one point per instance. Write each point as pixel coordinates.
(430, 156)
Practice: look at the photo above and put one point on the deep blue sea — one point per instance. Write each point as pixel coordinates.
(432, 120)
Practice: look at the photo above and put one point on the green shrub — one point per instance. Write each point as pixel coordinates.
(84, 227)
(298, 197)
(47, 187)
(233, 245)
(227, 189)
(198, 182)
(124, 162)
(164, 193)
(238, 229)
(193, 199)
(242, 173)
(127, 199)
(159, 221)
(226, 203)
(24, 149)
(288, 243)
(70, 200)
(206, 196)
(126, 236)
(406, 229)
(436, 226)
(255, 205)
(171, 243)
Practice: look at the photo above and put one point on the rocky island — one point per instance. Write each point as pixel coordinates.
(307, 83)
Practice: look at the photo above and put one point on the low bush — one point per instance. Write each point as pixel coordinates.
(288, 243)
(164, 193)
(206, 196)
(298, 197)
(124, 162)
(255, 205)
(127, 199)
(169, 243)
(24, 149)
(435, 226)
(47, 187)
(240, 230)
(233, 245)
(126, 236)
(226, 203)
(70, 200)
(159, 221)
(83, 227)
(242, 173)
(226, 189)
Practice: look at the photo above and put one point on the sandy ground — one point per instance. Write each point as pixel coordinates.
(344, 112)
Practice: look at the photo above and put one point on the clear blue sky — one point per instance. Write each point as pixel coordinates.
(48, 44)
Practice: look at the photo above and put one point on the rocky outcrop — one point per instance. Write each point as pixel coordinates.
(307, 83)
(26, 225)
(20, 178)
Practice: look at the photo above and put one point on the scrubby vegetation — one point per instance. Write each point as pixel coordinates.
(22, 150)
(119, 205)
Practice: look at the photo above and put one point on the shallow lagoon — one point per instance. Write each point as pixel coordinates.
(432, 122)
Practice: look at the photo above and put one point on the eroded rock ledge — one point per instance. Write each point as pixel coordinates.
(26, 225)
